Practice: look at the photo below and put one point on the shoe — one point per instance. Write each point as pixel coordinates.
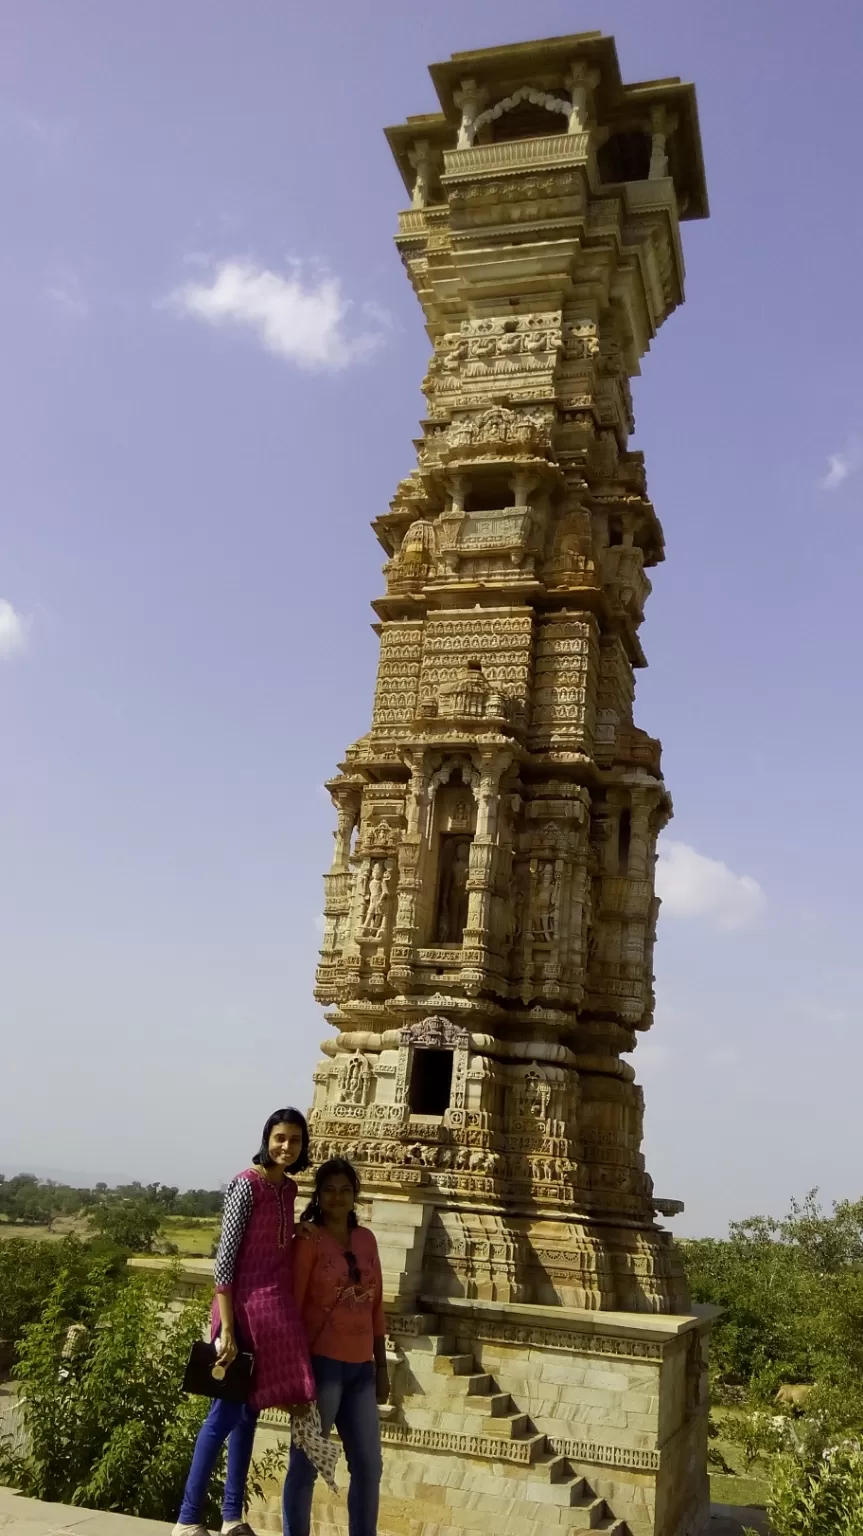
(189, 1530)
(243, 1529)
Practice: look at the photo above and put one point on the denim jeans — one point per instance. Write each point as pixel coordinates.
(235, 1423)
(346, 1398)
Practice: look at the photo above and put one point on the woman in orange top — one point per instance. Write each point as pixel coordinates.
(338, 1290)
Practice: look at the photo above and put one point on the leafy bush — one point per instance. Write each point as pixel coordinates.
(818, 1495)
(106, 1424)
(29, 1269)
(792, 1298)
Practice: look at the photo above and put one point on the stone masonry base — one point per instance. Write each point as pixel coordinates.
(512, 1420)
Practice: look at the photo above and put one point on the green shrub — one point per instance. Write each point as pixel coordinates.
(105, 1422)
(29, 1269)
(817, 1495)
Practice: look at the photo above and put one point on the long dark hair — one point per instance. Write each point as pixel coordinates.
(328, 1170)
(287, 1116)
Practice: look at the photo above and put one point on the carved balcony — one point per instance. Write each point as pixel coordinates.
(622, 897)
(337, 892)
(624, 579)
(549, 152)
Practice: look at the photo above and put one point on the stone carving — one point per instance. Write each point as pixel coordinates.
(436, 1033)
(375, 896)
(452, 898)
(355, 1080)
(545, 902)
(493, 433)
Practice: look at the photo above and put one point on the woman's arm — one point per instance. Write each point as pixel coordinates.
(235, 1218)
(379, 1328)
(303, 1256)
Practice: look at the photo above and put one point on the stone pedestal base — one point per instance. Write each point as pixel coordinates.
(513, 1420)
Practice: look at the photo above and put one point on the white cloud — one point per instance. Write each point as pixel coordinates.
(14, 631)
(840, 466)
(67, 300)
(692, 885)
(321, 923)
(304, 321)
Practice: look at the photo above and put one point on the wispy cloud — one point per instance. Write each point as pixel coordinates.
(14, 631)
(842, 465)
(692, 885)
(68, 299)
(35, 127)
(305, 320)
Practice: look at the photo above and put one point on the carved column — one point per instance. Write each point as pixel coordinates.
(481, 877)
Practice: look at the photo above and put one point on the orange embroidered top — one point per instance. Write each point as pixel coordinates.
(343, 1315)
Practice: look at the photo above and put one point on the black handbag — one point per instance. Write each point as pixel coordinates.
(205, 1376)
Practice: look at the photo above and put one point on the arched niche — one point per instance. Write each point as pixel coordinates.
(526, 114)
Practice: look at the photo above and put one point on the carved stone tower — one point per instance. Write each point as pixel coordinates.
(490, 910)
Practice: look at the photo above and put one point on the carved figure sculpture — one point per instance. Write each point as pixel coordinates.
(453, 902)
(544, 928)
(375, 913)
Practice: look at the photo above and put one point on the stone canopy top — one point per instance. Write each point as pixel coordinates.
(577, 75)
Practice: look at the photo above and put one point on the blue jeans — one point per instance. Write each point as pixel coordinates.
(235, 1423)
(346, 1398)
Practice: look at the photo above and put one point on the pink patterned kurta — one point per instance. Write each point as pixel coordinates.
(254, 1264)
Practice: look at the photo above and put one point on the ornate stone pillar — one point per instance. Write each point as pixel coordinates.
(581, 81)
(470, 98)
(420, 160)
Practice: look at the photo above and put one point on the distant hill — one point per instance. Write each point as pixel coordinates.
(76, 1179)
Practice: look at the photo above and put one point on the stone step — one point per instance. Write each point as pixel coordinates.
(455, 1365)
(537, 1447)
(591, 1514)
(489, 1404)
(474, 1386)
(613, 1527)
(429, 1344)
(434, 1344)
(512, 1427)
(556, 1468)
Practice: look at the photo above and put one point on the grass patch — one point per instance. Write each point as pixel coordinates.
(745, 1491)
(194, 1236)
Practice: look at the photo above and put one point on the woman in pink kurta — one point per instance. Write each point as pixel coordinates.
(254, 1310)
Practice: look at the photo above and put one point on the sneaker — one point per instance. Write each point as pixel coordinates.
(243, 1529)
(189, 1530)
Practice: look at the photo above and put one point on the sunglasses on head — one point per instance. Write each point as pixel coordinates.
(353, 1267)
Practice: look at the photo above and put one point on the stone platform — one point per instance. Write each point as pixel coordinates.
(516, 1418)
(30, 1517)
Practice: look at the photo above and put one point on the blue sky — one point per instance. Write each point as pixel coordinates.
(209, 385)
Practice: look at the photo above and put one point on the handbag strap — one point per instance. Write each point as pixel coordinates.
(327, 1315)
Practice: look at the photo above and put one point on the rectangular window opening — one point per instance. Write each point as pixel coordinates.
(431, 1082)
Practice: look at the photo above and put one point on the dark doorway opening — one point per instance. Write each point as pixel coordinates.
(431, 1082)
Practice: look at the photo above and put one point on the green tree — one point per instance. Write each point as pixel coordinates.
(106, 1423)
(29, 1269)
(132, 1224)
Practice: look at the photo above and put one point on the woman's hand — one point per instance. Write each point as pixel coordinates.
(382, 1385)
(226, 1347)
(309, 1231)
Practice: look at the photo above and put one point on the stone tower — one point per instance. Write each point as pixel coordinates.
(490, 910)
